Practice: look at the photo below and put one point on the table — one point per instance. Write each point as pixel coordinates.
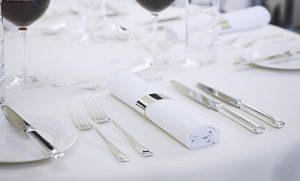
(239, 155)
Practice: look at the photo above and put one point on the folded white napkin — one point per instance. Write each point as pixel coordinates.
(183, 124)
(239, 20)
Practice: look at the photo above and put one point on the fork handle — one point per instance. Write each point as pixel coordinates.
(143, 151)
(116, 152)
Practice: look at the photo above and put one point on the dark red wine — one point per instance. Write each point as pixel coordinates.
(23, 12)
(155, 5)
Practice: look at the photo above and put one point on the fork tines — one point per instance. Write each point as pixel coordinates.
(80, 119)
(94, 111)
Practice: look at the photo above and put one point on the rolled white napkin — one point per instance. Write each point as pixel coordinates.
(183, 124)
(239, 20)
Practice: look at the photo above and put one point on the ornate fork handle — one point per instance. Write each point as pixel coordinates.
(143, 151)
(81, 121)
(117, 153)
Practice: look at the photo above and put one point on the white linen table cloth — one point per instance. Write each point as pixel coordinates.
(239, 155)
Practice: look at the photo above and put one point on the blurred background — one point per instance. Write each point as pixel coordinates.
(285, 13)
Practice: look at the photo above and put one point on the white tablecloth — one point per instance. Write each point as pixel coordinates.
(240, 155)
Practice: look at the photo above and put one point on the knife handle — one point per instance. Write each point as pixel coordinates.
(248, 124)
(50, 149)
(271, 120)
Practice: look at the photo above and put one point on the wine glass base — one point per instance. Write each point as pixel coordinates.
(28, 82)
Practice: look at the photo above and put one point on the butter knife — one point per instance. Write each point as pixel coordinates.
(28, 130)
(218, 107)
(238, 103)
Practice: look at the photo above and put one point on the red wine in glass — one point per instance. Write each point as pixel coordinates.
(155, 5)
(23, 13)
(153, 62)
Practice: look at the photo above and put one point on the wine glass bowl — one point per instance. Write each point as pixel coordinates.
(155, 5)
(23, 13)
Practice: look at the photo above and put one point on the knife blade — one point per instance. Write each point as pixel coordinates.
(218, 107)
(238, 103)
(29, 130)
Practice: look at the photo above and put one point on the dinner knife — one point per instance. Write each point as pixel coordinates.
(218, 107)
(238, 103)
(29, 130)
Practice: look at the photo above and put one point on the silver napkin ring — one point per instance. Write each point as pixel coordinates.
(146, 100)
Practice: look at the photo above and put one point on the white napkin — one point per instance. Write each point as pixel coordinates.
(239, 20)
(184, 125)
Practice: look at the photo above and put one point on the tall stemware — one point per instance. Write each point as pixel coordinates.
(93, 21)
(2, 75)
(154, 61)
(23, 13)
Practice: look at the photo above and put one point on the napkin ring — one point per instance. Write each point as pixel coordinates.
(147, 100)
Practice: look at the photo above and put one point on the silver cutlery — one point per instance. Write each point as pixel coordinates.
(29, 130)
(218, 107)
(99, 116)
(238, 103)
(124, 34)
(82, 122)
(165, 19)
(255, 40)
(55, 28)
(84, 85)
(285, 54)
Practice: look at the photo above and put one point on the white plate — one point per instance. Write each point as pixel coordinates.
(16, 147)
(286, 63)
(282, 64)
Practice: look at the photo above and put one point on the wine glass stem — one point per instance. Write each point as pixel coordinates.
(22, 32)
(104, 17)
(154, 30)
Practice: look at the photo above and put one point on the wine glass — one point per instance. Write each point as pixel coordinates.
(23, 13)
(154, 61)
(93, 21)
(2, 75)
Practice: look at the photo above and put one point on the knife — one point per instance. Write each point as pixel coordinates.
(238, 103)
(29, 130)
(218, 107)
(285, 54)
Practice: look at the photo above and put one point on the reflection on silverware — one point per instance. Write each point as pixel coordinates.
(98, 116)
(273, 121)
(29, 130)
(218, 107)
(124, 34)
(285, 54)
(82, 122)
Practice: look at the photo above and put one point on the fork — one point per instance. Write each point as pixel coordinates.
(82, 122)
(98, 115)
